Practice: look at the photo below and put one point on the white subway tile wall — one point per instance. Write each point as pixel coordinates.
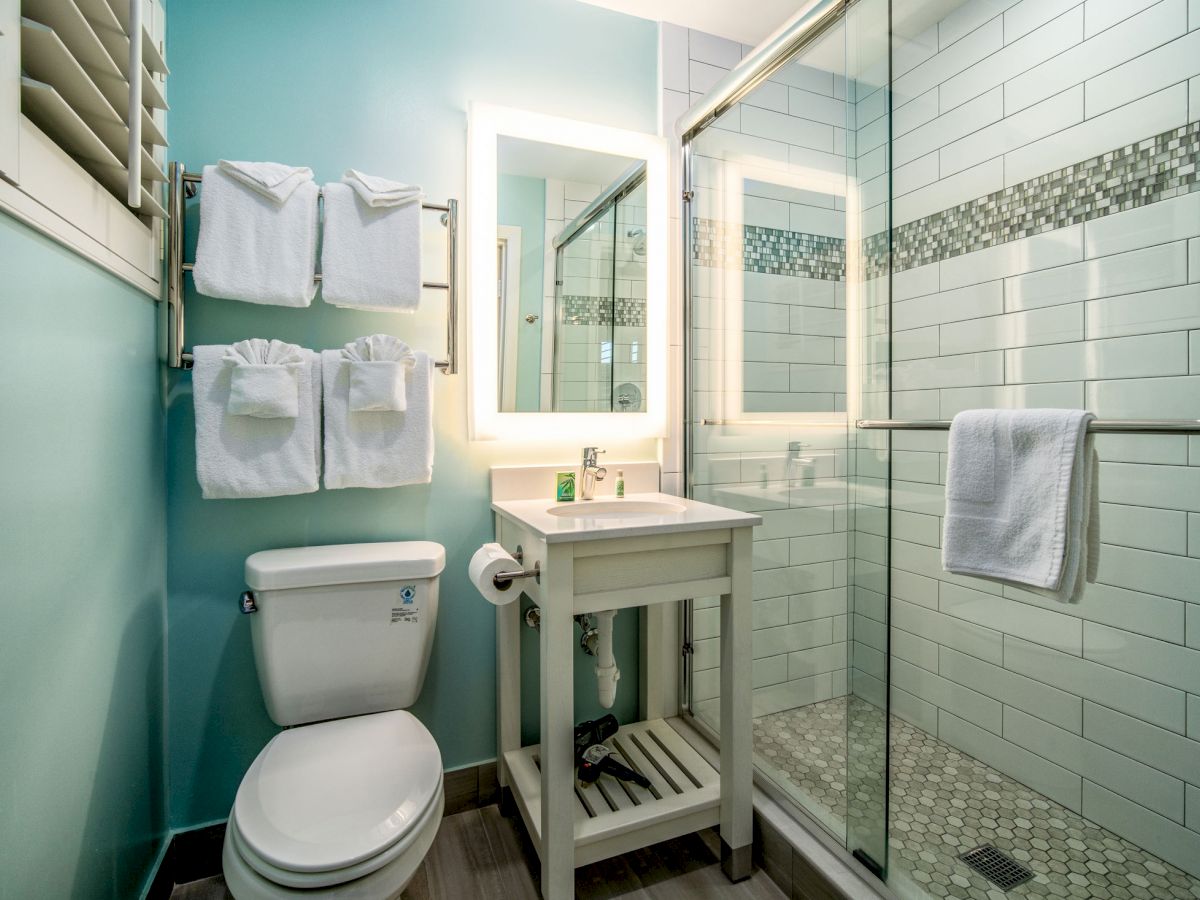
(1094, 704)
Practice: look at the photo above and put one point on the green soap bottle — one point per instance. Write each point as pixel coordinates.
(620, 483)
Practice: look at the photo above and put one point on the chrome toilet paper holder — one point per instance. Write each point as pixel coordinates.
(502, 581)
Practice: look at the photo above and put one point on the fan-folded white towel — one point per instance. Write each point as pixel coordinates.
(377, 449)
(371, 254)
(273, 180)
(265, 381)
(1022, 502)
(245, 456)
(378, 368)
(254, 248)
(376, 191)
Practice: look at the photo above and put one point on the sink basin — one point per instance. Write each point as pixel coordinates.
(615, 509)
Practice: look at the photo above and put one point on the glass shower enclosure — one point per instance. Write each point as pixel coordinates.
(897, 211)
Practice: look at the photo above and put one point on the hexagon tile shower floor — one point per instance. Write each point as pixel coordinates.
(944, 803)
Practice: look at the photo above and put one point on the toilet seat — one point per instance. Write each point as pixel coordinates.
(327, 803)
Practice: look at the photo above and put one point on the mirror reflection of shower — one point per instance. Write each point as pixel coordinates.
(600, 302)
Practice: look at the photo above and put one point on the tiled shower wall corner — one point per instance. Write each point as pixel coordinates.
(790, 336)
(597, 353)
(1048, 254)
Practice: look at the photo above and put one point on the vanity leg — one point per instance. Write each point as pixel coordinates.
(508, 691)
(737, 783)
(558, 729)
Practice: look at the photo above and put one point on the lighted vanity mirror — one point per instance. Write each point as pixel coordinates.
(567, 250)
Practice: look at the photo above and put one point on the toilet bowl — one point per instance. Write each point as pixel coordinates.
(339, 809)
(346, 802)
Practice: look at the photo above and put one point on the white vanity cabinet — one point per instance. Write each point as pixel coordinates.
(664, 549)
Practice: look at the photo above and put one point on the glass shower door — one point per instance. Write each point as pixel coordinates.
(789, 196)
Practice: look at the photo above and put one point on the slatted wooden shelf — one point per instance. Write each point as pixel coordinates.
(614, 817)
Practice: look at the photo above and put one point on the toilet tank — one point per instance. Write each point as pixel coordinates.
(343, 630)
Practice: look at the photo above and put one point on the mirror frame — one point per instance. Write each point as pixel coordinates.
(486, 124)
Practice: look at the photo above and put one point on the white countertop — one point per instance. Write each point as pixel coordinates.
(695, 516)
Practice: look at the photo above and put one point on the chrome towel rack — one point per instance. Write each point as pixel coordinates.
(183, 185)
(1097, 426)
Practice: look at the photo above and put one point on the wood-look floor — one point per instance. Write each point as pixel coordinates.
(482, 854)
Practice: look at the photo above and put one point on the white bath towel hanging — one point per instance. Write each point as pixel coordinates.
(253, 247)
(239, 456)
(371, 249)
(1022, 500)
(377, 449)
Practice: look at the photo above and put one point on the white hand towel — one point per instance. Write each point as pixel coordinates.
(376, 191)
(252, 248)
(273, 180)
(244, 456)
(378, 368)
(265, 381)
(371, 255)
(1022, 504)
(377, 449)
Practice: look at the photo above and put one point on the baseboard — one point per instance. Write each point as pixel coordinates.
(195, 853)
(471, 787)
(189, 856)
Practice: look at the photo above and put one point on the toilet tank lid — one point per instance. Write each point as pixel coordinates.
(344, 564)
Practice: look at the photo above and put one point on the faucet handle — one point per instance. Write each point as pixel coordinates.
(590, 454)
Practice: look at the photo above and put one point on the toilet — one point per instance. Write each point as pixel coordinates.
(346, 801)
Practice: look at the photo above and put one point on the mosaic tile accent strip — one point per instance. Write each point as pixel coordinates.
(944, 803)
(579, 309)
(771, 250)
(1157, 168)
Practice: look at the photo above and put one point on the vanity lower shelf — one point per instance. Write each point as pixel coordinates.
(613, 817)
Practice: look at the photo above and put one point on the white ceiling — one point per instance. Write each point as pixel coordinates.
(741, 21)
(751, 22)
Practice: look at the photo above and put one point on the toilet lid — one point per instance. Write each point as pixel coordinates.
(330, 795)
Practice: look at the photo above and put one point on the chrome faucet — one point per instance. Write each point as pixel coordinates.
(590, 472)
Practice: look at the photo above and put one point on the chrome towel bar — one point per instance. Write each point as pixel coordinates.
(1097, 426)
(182, 186)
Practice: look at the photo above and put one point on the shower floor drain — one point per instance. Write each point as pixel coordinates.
(997, 867)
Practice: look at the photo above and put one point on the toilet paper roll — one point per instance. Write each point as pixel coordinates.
(487, 561)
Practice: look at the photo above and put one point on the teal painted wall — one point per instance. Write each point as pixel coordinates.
(383, 87)
(521, 201)
(82, 557)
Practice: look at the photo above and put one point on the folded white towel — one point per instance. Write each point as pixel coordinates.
(376, 191)
(1022, 503)
(273, 180)
(244, 456)
(377, 449)
(253, 248)
(265, 381)
(371, 255)
(378, 367)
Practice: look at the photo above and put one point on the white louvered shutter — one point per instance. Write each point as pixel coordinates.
(74, 88)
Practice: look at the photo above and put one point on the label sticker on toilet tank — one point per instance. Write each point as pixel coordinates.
(405, 615)
(408, 593)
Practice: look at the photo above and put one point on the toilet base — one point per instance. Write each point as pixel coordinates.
(385, 883)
